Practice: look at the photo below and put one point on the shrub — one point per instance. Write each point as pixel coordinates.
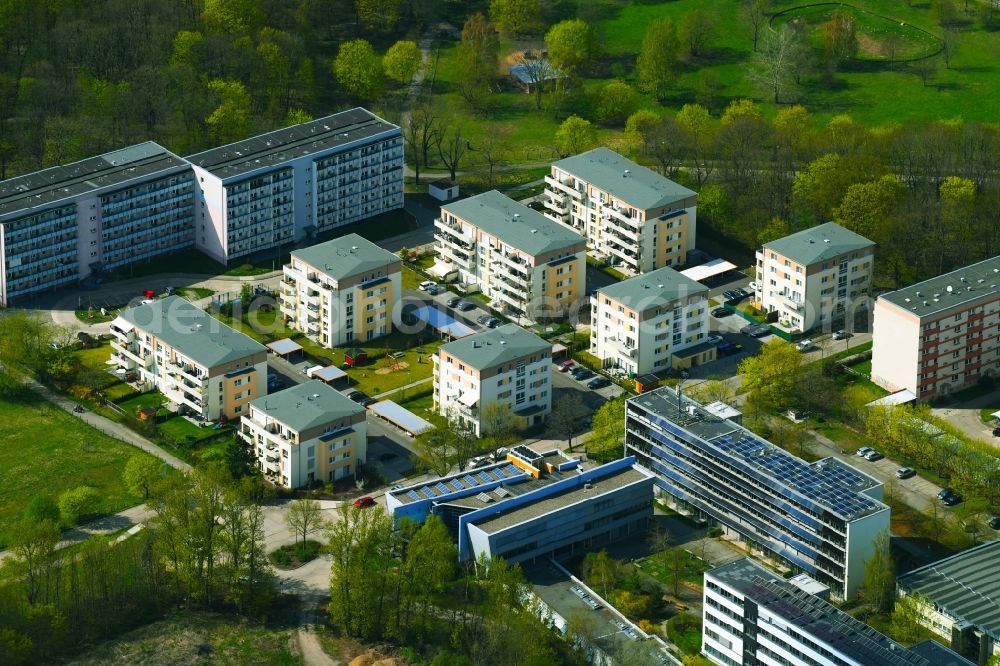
(42, 507)
(282, 557)
(78, 502)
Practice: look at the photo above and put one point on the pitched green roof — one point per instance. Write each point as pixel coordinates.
(307, 405)
(345, 257)
(822, 242)
(497, 346)
(946, 291)
(653, 289)
(191, 331)
(514, 223)
(621, 177)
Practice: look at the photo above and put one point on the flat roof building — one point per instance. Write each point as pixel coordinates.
(959, 599)
(940, 335)
(634, 217)
(820, 518)
(752, 616)
(198, 363)
(527, 264)
(341, 291)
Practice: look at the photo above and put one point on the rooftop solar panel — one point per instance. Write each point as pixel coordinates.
(412, 494)
(441, 488)
(484, 498)
(513, 470)
(469, 481)
(457, 484)
(486, 478)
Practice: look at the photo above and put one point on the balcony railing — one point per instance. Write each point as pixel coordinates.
(562, 187)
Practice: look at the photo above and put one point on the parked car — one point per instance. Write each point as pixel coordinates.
(873, 455)
(453, 301)
(952, 500)
(721, 312)
(729, 348)
(759, 331)
(747, 328)
(863, 451)
(598, 383)
(434, 289)
(364, 402)
(994, 522)
(996, 432)
(362, 502)
(713, 339)
(905, 472)
(804, 345)
(536, 205)
(842, 335)
(477, 462)
(357, 396)
(944, 493)
(582, 373)
(565, 365)
(493, 322)
(427, 284)
(753, 286)
(464, 306)
(484, 319)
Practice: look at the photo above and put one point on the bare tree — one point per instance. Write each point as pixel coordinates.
(494, 150)
(451, 147)
(538, 71)
(755, 14)
(949, 45)
(420, 133)
(564, 422)
(774, 63)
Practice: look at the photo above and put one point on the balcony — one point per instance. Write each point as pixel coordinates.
(515, 301)
(512, 280)
(616, 214)
(465, 261)
(621, 347)
(128, 352)
(786, 301)
(559, 204)
(453, 232)
(562, 187)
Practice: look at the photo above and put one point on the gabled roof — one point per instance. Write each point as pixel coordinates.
(192, 331)
(495, 347)
(653, 289)
(514, 223)
(345, 257)
(633, 183)
(306, 406)
(822, 242)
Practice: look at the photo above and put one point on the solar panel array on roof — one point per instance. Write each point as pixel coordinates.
(441, 488)
(428, 492)
(457, 485)
(469, 481)
(501, 492)
(484, 498)
(486, 478)
(413, 496)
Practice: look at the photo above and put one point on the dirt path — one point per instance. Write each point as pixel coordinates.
(309, 645)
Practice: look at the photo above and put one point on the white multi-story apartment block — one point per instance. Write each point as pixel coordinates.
(309, 433)
(651, 322)
(341, 291)
(819, 518)
(939, 335)
(198, 363)
(754, 617)
(506, 367)
(815, 277)
(295, 183)
(527, 264)
(631, 215)
(62, 224)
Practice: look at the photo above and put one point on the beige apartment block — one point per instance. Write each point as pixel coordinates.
(528, 265)
(632, 216)
(815, 277)
(341, 291)
(309, 433)
(939, 335)
(199, 364)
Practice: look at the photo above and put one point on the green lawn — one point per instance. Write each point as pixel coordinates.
(44, 449)
(195, 293)
(411, 278)
(378, 376)
(661, 566)
(179, 429)
(94, 316)
(153, 399)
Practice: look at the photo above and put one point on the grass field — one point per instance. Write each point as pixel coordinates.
(43, 449)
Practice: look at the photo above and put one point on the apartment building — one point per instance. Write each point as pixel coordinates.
(527, 264)
(939, 335)
(532, 505)
(62, 224)
(753, 616)
(815, 277)
(293, 184)
(818, 518)
(341, 291)
(309, 433)
(632, 216)
(957, 600)
(651, 322)
(505, 367)
(202, 366)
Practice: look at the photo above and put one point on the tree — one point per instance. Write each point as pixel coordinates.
(755, 14)
(494, 149)
(840, 39)
(571, 46)
(451, 146)
(575, 135)
(608, 425)
(304, 517)
(77, 503)
(656, 65)
(640, 129)
(949, 45)
(772, 377)
(880, 575)
(697, 30)
(906, 618)
(820, 187)
(230, 121)
(871, 208)
(537, 70)
(499, 423)
(774, 63)
(564, 422)
(516, 16)
(601, 571)
(232, 16)
(33, 544)
(433, 449)
(615, 102)
(478, 57)
(242, 540)
(378, 16)
(42, 508)
(359, 69)
(713, 390)
(402, 61)
(946, 12)
(141, 473)
(659, 538)
(925, 68)
(419, 133)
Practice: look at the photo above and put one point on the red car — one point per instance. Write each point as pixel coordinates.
(364, 501)
(565, 365)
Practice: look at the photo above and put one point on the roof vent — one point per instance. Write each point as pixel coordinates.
(354, 248)
(588, 486)
(517, 215)
(314, 396)
(907, 300)
(534, 231)
(625, 173)
(826, 240)
(949, 289)
(919, 294)
(937, 296)
(503, 342)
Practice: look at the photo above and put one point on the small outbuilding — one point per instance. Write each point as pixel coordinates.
(443, 189)
(355, 356)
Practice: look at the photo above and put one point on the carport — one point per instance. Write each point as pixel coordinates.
(442, 322)
(330, 374)
(711, 269)
(401, 417)
(897, 398)
(284, 348)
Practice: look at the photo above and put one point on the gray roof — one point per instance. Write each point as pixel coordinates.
(641, 187)
(948, 290)
(965, 586)
(514, 223)
(192, 332)
(308, 405)
(497, 346)
(815, 616)
(819, 243)
(288, 143)
(938, 654)
(345, 257)
(653, 289)
(41, 188)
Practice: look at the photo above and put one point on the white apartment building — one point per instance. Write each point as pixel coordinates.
(528, 265)
(503, 367)
(940, 335)
(198, 363)
(815, 277)
(651, 322)
(309, 433)
(341, 291)
(632, 216)
(296, 183)
(752, 616)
